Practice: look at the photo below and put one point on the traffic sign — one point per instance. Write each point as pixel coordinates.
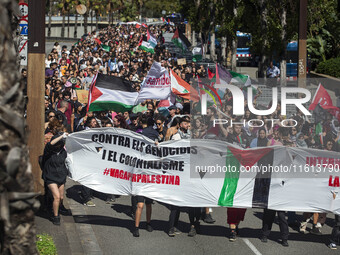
(23, 23)
(23, 50)
(23, 7)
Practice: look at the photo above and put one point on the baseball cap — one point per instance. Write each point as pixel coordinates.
(172, 107)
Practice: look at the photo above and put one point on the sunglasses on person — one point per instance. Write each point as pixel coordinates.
(159, 123)
(51, 116)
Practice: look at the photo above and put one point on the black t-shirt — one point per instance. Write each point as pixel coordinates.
(150, 132)
(54, 168)
(240, 140)
(163, 132)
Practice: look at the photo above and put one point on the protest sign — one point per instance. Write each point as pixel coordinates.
(205, 173)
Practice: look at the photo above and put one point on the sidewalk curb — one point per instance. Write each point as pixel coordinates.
(87, 237)
(71, 232)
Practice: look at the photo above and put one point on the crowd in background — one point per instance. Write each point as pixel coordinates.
(71, 69)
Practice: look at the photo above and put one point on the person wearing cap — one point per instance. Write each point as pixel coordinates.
(172, 111)
(134, 125)
(179, 108)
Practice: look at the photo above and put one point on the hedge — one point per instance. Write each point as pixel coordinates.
(330, 67)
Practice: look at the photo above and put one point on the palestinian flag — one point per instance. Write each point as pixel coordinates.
(254, 91)
(240, 79)
(164, 21)
(146, 46)
(98, 41)
(319, 133)
(151, 39)
(181, 88)
(111, 93)
(196, 54)
(105, 47)
(180, 41)
(211, 75)
(233, 190)
(323, 100)
(223, 76)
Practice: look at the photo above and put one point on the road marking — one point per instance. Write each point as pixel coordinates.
(251, 246)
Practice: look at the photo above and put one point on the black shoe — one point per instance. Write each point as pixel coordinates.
(208, 219)
(136, 232)
(232, 237)
(197, 227)
(264, 239)
(284, 243)
(63, 210)
(192, 231)
(171, 232)
(316, 231)
(148, 227)
(55, 220)
(110, 200)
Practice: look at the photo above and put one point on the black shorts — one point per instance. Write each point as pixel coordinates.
(142, 199)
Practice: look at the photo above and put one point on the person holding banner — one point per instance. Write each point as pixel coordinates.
(194, 212)
(151, 133)
(269, 215)
(54, 169)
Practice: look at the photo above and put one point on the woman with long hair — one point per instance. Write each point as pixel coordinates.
(54, 168)
(199, 128)
(119, 122)
(173, 128)
(261, 140)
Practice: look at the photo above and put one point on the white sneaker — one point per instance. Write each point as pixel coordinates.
(332, 246)
(90, 204)
(303, 227)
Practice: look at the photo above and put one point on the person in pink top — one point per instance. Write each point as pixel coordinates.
(276, 137)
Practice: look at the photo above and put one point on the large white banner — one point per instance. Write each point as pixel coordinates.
(205, 173)
(156, 85)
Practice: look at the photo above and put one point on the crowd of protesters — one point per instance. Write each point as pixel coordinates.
(71, 69)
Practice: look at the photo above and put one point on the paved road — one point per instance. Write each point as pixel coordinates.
(109, 226)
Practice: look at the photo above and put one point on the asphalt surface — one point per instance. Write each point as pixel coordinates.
(106, 229)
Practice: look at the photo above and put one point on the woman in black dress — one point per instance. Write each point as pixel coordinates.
(54, 169)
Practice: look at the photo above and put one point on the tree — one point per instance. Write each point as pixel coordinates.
(49, 17)
(154, 8)
(323, 31)
(17, 230)
(62, 7)
(202, 16)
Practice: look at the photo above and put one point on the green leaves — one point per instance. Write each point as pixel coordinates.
(45, 245)
(330, 67)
